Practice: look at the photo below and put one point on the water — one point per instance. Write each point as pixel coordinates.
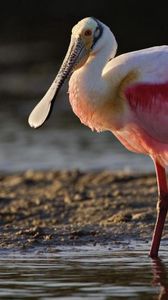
(99, 273)
(62, 143)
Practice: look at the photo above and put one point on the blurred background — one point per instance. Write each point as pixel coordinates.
(34, 36)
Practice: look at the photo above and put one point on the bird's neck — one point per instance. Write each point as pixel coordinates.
(92, 74)
(88, 80)
(90, 92)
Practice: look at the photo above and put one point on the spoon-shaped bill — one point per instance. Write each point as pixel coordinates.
(42, 109)
(41, 112)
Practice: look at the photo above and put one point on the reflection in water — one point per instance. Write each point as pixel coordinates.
(72, 273)
(160, 278)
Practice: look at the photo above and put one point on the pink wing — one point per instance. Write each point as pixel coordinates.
(149, 103)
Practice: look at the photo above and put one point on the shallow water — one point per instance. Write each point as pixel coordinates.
(62, 143)
(84, 273)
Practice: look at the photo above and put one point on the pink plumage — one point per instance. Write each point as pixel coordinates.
(127, 95)
(149, 105)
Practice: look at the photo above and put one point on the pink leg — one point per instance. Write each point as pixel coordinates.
(162, 208)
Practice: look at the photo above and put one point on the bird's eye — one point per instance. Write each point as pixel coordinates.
(88, 32)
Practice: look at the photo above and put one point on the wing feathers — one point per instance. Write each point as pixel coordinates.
(149, 102)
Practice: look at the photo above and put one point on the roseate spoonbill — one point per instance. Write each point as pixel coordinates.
(126, 94)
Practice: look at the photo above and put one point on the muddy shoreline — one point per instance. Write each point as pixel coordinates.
(59, 208)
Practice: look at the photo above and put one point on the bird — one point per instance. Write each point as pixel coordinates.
(126, 94)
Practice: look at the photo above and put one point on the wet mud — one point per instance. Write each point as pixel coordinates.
(59, 208)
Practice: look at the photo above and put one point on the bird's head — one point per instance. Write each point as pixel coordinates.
(85, 35)
(88, 37)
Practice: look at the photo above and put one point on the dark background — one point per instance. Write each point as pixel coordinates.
(34, 36)
(136, 24)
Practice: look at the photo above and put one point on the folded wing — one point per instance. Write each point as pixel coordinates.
(149, 103)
